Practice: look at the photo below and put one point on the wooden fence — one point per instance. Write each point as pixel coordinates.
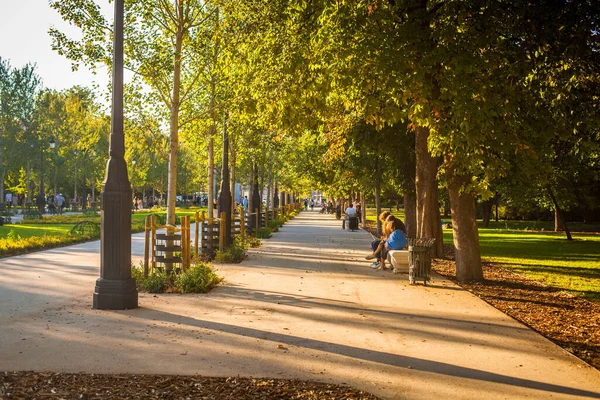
(174, 246)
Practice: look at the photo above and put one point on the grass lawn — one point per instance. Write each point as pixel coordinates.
(547, 257)
(24, 238)
(27, 231)
(372, 217)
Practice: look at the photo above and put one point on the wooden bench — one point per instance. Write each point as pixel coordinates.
(399, 260)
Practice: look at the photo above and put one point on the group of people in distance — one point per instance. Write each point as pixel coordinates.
(393, 238)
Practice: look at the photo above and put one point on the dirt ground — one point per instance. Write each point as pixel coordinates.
(30, 385)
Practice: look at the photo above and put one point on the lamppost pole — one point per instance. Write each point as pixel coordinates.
(116, 289)
(42, 201)
(225, 193)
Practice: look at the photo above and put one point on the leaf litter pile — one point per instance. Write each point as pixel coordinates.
(571, 322)
(32, 385)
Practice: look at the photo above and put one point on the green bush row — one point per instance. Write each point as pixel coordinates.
(200, 278)
(14, 244)
(264, 233)
(234, 253)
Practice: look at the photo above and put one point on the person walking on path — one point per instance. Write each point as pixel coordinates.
(60, 203)
(8, 197)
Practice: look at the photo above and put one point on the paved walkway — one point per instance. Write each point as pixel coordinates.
(304, 305)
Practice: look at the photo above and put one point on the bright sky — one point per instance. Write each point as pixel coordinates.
(24, 38)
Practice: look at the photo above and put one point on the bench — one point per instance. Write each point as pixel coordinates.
(399, 260)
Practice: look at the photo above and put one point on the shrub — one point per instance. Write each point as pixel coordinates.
(275, 224)
(138, 226)
(233, 254)
(236, 252)
(201, 278)
(156, 282)
(137, 273)
(65, 219)
(87, 228)
(264, 233)
(32, 214)
(13, 235)
(11, 247)
(161, 219)
(248, 241)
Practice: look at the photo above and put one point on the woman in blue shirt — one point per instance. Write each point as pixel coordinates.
(395, 241)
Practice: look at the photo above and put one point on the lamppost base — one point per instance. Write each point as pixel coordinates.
(115, 294)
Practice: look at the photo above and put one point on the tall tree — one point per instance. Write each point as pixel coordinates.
(164, 45)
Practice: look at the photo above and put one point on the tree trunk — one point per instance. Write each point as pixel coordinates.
(233, 152)
(75, 184)
(378, 206)
(428, 213)
(410, 215)
(256, 197)
(558, 221)
(2, 179)
(464, 227)
(496, 200)
(559, 216)
(363, 207)
(270, 181)
(56, 181)
(28, 184)
(211, 171)
(175, 104)
(486, 211)
(251, 189)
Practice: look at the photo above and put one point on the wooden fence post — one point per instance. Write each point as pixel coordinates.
(257, 221)
(242, 222)
(153, 243)
(197, 231)
(147, 244)
(188, 242)
(266, 217)
(209, 234)
(222, 227)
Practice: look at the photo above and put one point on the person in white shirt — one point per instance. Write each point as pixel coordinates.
(350, 213)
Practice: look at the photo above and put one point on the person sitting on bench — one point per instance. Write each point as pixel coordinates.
(376, 242)
(395, 241)
(350, 213)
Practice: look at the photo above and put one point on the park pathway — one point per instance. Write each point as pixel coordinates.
(304, 305)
